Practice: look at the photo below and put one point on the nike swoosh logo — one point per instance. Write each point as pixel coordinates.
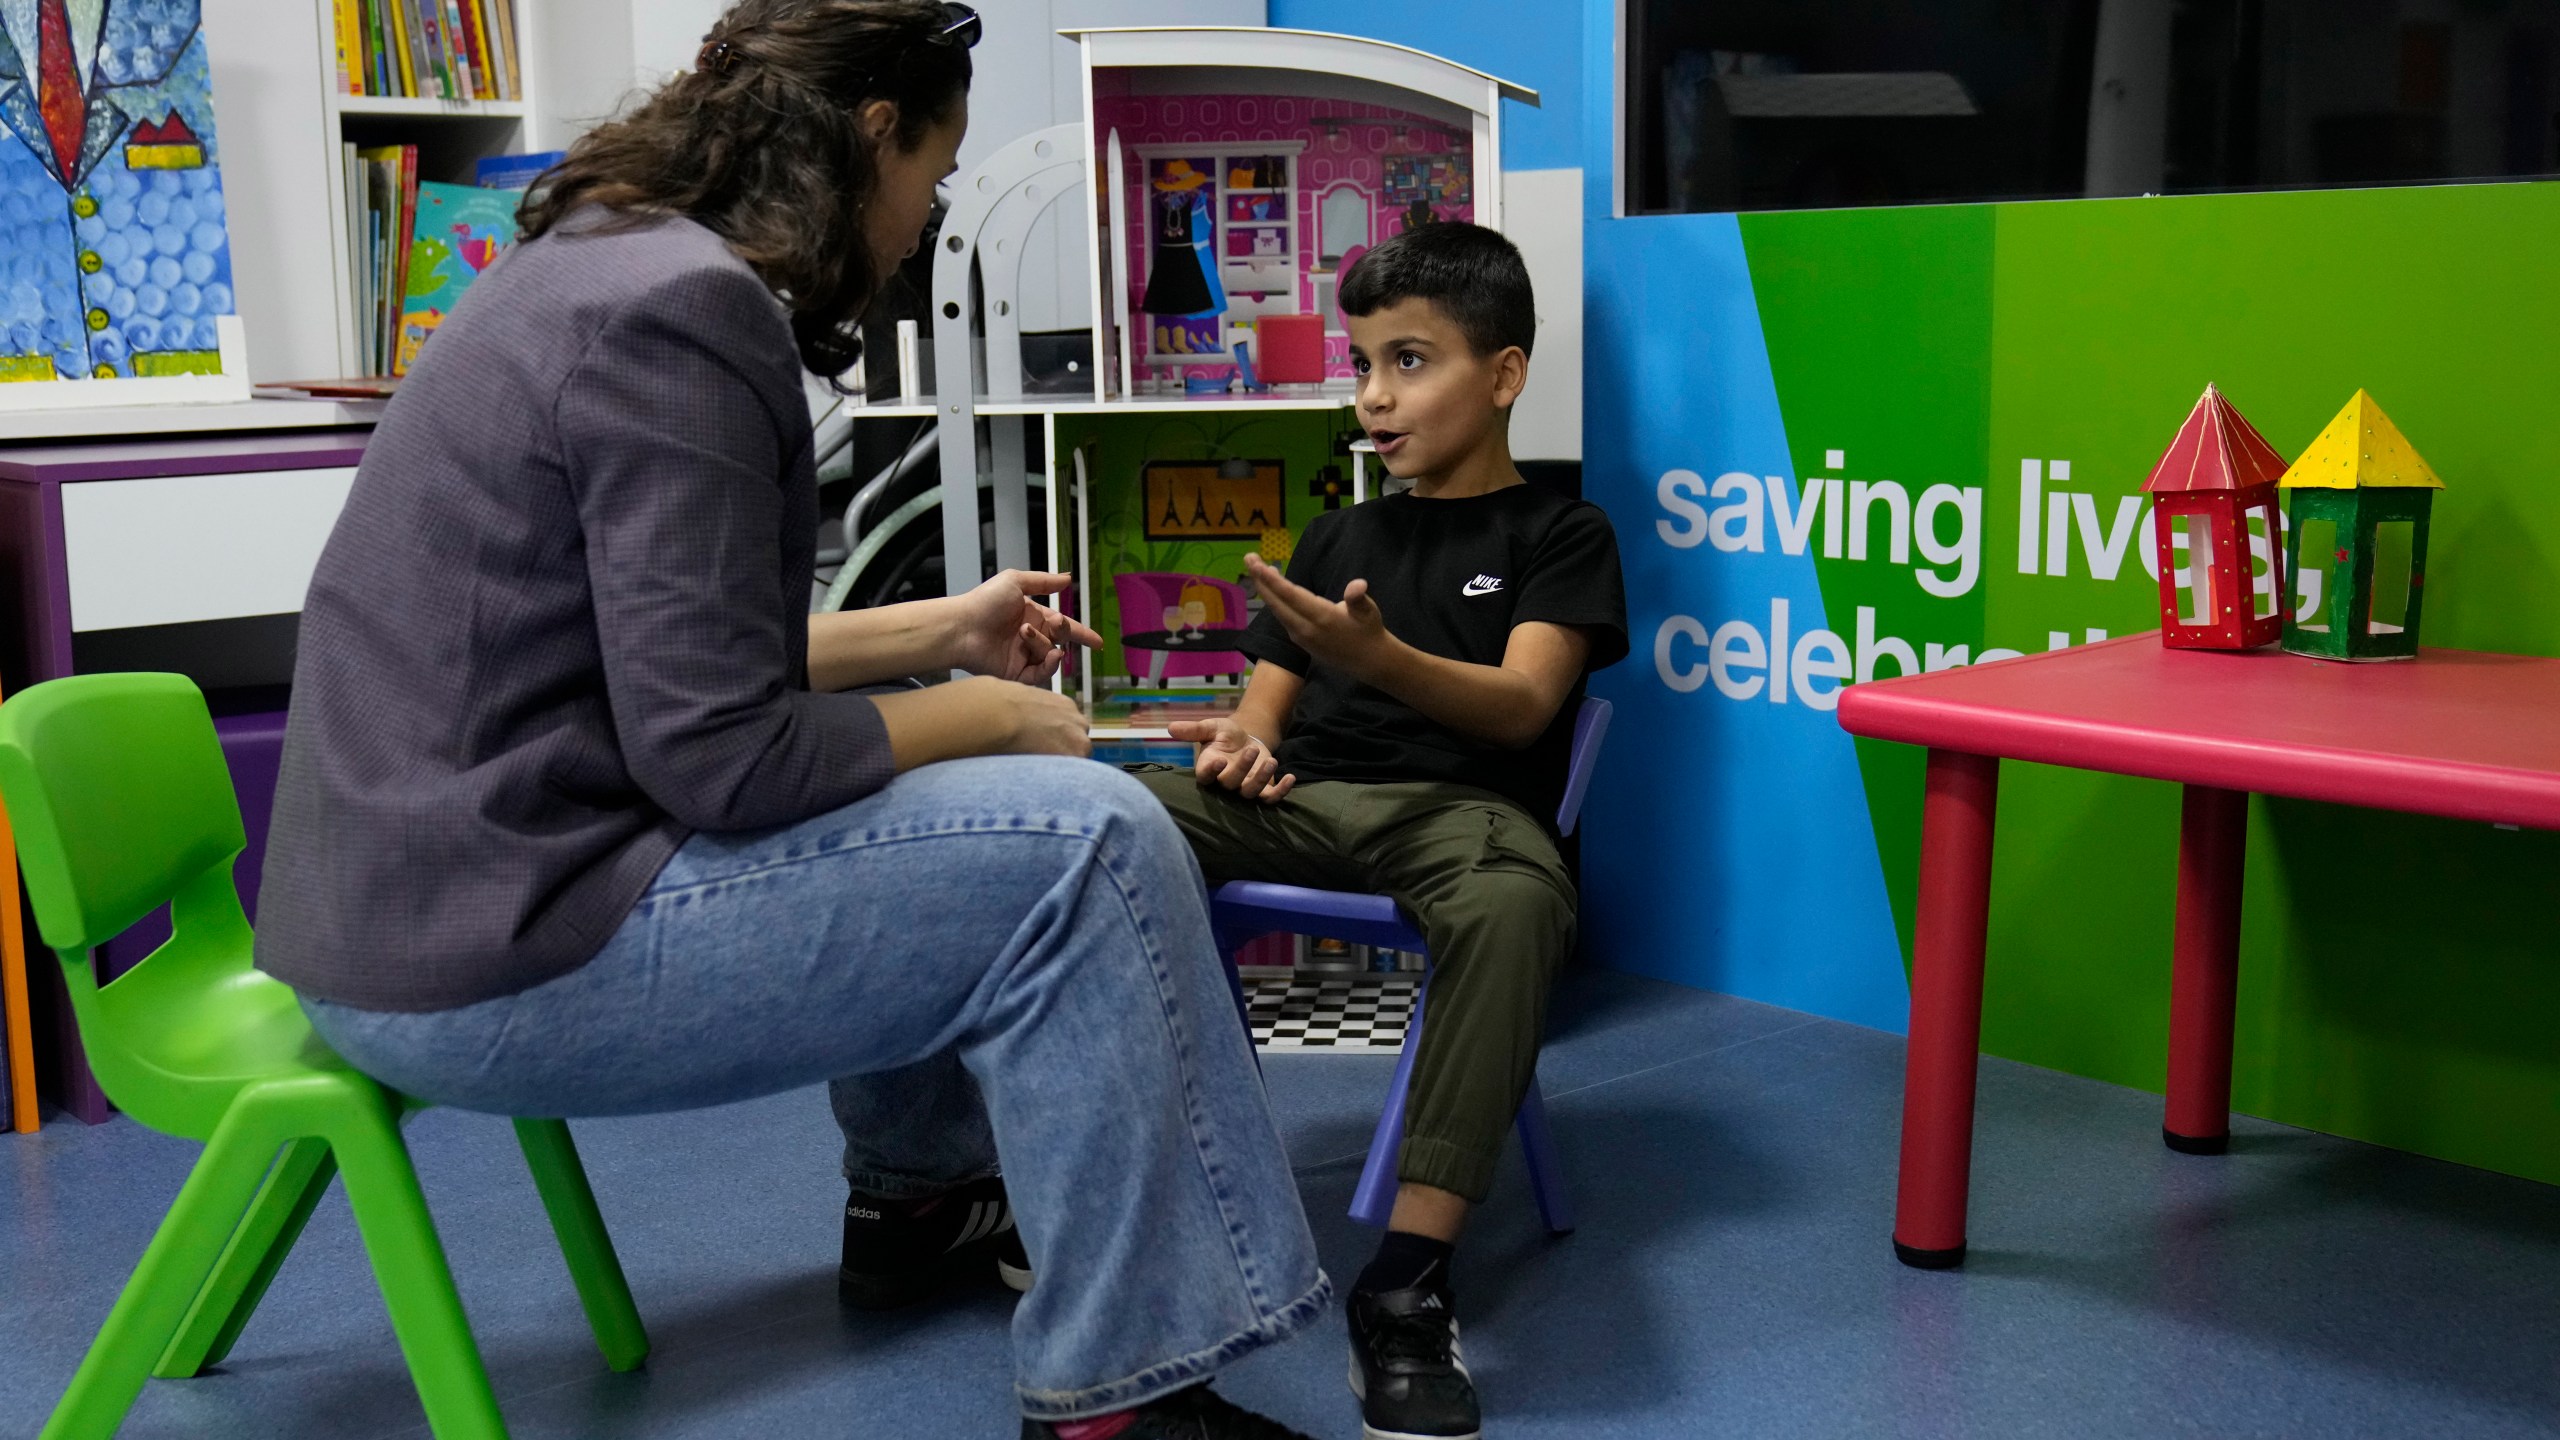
(1478, 587)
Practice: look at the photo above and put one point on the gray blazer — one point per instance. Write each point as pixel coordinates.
(560, 626)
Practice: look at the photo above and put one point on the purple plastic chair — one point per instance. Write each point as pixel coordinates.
(1244, 909)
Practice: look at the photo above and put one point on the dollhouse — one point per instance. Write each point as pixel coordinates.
(1240, 172)
(1245, 169)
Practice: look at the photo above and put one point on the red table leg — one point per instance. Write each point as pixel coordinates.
(2213, 838)
(1946, 1007)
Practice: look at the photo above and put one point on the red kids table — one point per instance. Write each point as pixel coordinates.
(2457, 733)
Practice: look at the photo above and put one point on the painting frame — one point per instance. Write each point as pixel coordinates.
(1191, 500)
(116, 212)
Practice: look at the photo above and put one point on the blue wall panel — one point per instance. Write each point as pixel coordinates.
(1714, 851)
(1534, 44)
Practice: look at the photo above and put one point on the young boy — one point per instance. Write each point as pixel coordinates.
(1406, 730)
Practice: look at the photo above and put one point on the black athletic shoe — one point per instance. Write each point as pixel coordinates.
(896, 1252)
(1406, 1369)
(1198, 1413)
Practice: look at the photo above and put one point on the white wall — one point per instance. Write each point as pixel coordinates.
(267, 120)
(666, 33)
(1542, 213)
(586, 68)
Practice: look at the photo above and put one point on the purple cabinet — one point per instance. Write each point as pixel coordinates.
(185, 555)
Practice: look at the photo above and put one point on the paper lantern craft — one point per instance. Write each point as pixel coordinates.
(2361, 494)
(2215, 478)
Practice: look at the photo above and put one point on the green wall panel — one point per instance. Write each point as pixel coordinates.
(2401, 976)
(1878, 324)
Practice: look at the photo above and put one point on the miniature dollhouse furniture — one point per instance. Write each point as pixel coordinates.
(2215, 487)
(2460, 734)
(1180, 621)
(117, 783)
(1243, 910)
(2359, 483)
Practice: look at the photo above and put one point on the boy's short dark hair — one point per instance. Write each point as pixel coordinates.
(1474, 275)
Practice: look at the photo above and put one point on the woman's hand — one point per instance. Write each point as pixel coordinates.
(1001, 628)
(1031, 721)
(1234, 757)
(981, 715)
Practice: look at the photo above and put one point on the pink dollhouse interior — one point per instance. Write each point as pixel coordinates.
(1243, 205)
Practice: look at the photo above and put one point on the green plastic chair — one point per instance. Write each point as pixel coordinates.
(122, 803)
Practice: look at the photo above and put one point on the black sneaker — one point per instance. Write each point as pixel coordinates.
(1198, 1413)
(896, 1252)
(1406, 1369)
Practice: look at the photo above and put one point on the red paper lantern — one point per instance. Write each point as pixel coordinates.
(2217, 476)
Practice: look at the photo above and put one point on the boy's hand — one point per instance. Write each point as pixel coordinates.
(1235, 758)
(1349, 634)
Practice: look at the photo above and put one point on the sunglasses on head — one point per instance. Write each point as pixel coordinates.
(960, 26)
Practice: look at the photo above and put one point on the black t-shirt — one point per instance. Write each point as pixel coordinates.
(1451, 577)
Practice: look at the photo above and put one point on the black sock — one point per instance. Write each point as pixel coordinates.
(1405, 1262)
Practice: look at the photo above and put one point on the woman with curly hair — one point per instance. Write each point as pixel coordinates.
(583, 813)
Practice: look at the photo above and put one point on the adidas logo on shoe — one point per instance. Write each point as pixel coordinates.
(897, 1252)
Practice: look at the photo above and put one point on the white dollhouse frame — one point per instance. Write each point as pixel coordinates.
(977, 274)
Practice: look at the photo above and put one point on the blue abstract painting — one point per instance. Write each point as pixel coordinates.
(115, 263)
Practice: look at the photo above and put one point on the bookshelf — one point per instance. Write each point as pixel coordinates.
(452, 136)
(367, 105)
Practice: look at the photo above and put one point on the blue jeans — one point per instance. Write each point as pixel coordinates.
(1010, 950)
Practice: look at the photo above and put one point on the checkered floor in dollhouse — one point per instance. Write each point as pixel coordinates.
(1354, 1014)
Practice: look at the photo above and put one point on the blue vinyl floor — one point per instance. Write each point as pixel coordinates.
(1734, 1164)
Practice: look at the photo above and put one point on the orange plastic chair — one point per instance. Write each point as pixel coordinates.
(20, 1036)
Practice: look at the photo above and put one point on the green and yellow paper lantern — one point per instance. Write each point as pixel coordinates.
(2360, 497)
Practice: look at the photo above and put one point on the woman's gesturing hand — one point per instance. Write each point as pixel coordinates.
(1002, 629)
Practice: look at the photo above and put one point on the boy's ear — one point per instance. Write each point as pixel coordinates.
(1510, 376)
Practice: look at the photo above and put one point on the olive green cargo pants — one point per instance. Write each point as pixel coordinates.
(1483, 883)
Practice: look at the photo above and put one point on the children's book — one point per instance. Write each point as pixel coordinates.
(505, 11)
(460, 230)
(484, 71)
(514, 172)
(404, 46)
(432, 83)
(417, 49)
(350, 47)
(382, 73)
(393, 192)
(466, 59)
